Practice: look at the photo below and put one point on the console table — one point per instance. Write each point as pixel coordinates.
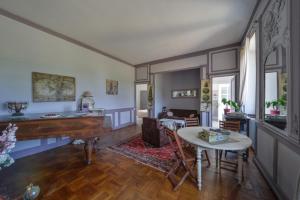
(73, 125)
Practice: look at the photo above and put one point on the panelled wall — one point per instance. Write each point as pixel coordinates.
(24, 50)
(278, 151)
(213, 62)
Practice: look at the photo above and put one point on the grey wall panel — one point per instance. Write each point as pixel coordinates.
(223, 61)
(288, 170)
(265, 151)
(142, 73)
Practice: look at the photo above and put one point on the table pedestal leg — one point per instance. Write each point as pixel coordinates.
(240, 166)
(199, 167)
(88, 149)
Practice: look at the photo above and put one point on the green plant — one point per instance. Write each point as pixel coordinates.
(235, 105)
(226, 102)
(276, 103)
(150, 95)
(232, 104)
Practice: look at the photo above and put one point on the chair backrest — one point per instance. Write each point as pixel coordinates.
(149, 122)
(174, 137)
(191, 121)
(230, 125)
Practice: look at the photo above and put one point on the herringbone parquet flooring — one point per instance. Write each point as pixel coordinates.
(62, 174)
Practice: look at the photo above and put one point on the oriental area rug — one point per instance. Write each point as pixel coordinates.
(159, 158)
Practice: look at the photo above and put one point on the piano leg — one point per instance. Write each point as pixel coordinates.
(88, 149)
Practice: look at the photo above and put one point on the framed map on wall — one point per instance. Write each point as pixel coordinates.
(52, 88)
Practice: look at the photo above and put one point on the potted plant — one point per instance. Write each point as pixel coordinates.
(150, 97)
(226, 104)
(275, 106)
(235, 105)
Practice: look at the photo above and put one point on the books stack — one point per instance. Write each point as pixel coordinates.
(214, 136)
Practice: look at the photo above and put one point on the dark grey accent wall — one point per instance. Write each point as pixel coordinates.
(166, 82)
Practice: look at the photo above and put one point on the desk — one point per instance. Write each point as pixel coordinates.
(242, 142)
(73, 125)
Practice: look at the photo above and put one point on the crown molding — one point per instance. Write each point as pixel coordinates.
(192, 54)
(59, 35)
(250, 20)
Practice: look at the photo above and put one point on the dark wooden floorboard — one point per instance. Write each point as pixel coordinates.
(62, 174)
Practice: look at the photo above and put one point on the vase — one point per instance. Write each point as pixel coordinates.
(226, 110)
(275, 112)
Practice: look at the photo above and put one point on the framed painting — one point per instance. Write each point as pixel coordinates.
(185, 93)
(112, 87)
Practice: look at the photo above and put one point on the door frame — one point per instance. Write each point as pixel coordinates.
(237, 84)
(135, 93)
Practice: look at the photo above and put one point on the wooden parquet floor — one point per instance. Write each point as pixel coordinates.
(62, 174)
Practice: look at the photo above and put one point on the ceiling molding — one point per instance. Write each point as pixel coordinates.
(196, 53)
(59, 35)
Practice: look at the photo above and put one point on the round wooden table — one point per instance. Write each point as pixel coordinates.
(236, 142)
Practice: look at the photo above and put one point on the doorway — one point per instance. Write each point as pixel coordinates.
(141, 102)
(222, 87)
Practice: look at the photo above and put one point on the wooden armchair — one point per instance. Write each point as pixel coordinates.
(153, 133)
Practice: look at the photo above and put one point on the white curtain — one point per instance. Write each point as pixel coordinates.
(243, 72)
(247, 95)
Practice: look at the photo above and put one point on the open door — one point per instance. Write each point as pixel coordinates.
(141, 102)
(222, 87)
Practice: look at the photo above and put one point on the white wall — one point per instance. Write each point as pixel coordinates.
(24, 50)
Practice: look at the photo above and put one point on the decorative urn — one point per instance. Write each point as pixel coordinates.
(17, 107)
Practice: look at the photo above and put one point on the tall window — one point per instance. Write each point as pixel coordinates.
(248, 75)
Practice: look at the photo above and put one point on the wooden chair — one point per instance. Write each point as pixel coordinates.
(185, 158)
(190, 122)
(232, 126)
(194, 121)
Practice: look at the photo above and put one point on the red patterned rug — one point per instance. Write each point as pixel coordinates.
(159, 158)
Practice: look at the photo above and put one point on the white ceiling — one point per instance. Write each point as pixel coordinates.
(139, 31)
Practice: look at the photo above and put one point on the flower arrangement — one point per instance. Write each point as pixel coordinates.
(7, 143)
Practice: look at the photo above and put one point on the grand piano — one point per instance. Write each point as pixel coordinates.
(74, 125)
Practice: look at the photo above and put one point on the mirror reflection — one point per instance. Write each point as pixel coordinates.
(276, 90)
